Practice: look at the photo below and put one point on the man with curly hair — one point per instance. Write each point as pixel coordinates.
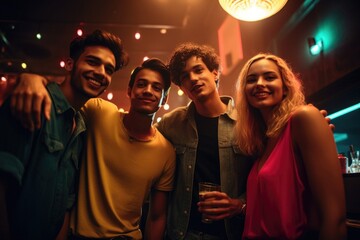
(202, 133)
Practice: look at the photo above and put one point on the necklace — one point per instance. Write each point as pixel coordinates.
(145, 136)
(137, 138)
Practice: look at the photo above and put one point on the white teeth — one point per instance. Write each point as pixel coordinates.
(95, 82)
(261, 94)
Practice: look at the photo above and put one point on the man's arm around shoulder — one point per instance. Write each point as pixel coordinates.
(30, 99)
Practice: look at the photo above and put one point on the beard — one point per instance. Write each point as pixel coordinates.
(145, 110)
(78, 82)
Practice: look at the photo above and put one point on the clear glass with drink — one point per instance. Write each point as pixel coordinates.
(355, 164)
(354, 155)
(207, 187)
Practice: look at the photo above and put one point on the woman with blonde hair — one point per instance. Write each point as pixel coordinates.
(295, 188)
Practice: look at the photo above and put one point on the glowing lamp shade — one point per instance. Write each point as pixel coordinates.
(252, 10)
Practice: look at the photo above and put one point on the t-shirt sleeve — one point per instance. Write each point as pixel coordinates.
(166, 180)
(94, 108)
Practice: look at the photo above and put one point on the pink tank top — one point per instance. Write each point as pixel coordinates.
(276, 195)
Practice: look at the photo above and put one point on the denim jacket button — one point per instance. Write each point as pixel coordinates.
(187, 189)
(185, 211)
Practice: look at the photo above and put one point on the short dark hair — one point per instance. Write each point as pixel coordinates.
(156, 65)
(100, 38)
(185, 51)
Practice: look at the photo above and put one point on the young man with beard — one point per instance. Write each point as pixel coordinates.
(38, 169)
(126, 161)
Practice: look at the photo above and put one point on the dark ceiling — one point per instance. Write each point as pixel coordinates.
(58, 21)
(185, 20)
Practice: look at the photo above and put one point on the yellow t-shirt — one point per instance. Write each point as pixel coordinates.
(117, 174)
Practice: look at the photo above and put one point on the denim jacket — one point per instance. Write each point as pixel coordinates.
(42, 167)
(180, 128)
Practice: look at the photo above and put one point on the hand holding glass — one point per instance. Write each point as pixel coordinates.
(203, 188)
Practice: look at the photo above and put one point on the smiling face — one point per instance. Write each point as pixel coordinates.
(264, 86)
(196, 80)
(147, 94)
(91, 73)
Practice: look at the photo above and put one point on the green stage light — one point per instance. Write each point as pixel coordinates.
(344, 111)
(315, 47)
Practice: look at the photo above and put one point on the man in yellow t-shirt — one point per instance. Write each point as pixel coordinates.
(126, 160)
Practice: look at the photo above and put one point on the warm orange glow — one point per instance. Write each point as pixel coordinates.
(79, 32)
(230, 48)
(180, 92)
(252, 10)
(110, 96)
(137, 36)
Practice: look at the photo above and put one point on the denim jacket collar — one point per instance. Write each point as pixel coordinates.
(60, 102)
(230, 108)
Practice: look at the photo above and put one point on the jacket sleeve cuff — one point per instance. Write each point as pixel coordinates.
(11, 165)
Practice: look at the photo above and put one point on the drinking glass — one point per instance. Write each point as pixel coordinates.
(355, 165)
(203, 188)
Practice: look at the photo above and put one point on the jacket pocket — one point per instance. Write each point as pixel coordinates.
(180, 150)
(53, 145)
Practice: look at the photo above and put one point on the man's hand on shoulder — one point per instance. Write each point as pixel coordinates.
(331, 126)
(29, 99)
(328, 120)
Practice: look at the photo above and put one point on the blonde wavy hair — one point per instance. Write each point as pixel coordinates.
(251, 131)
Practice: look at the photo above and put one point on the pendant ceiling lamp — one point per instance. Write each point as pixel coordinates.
(252, 10)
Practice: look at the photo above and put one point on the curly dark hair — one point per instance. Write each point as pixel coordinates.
(100, 38)
(186, 50)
